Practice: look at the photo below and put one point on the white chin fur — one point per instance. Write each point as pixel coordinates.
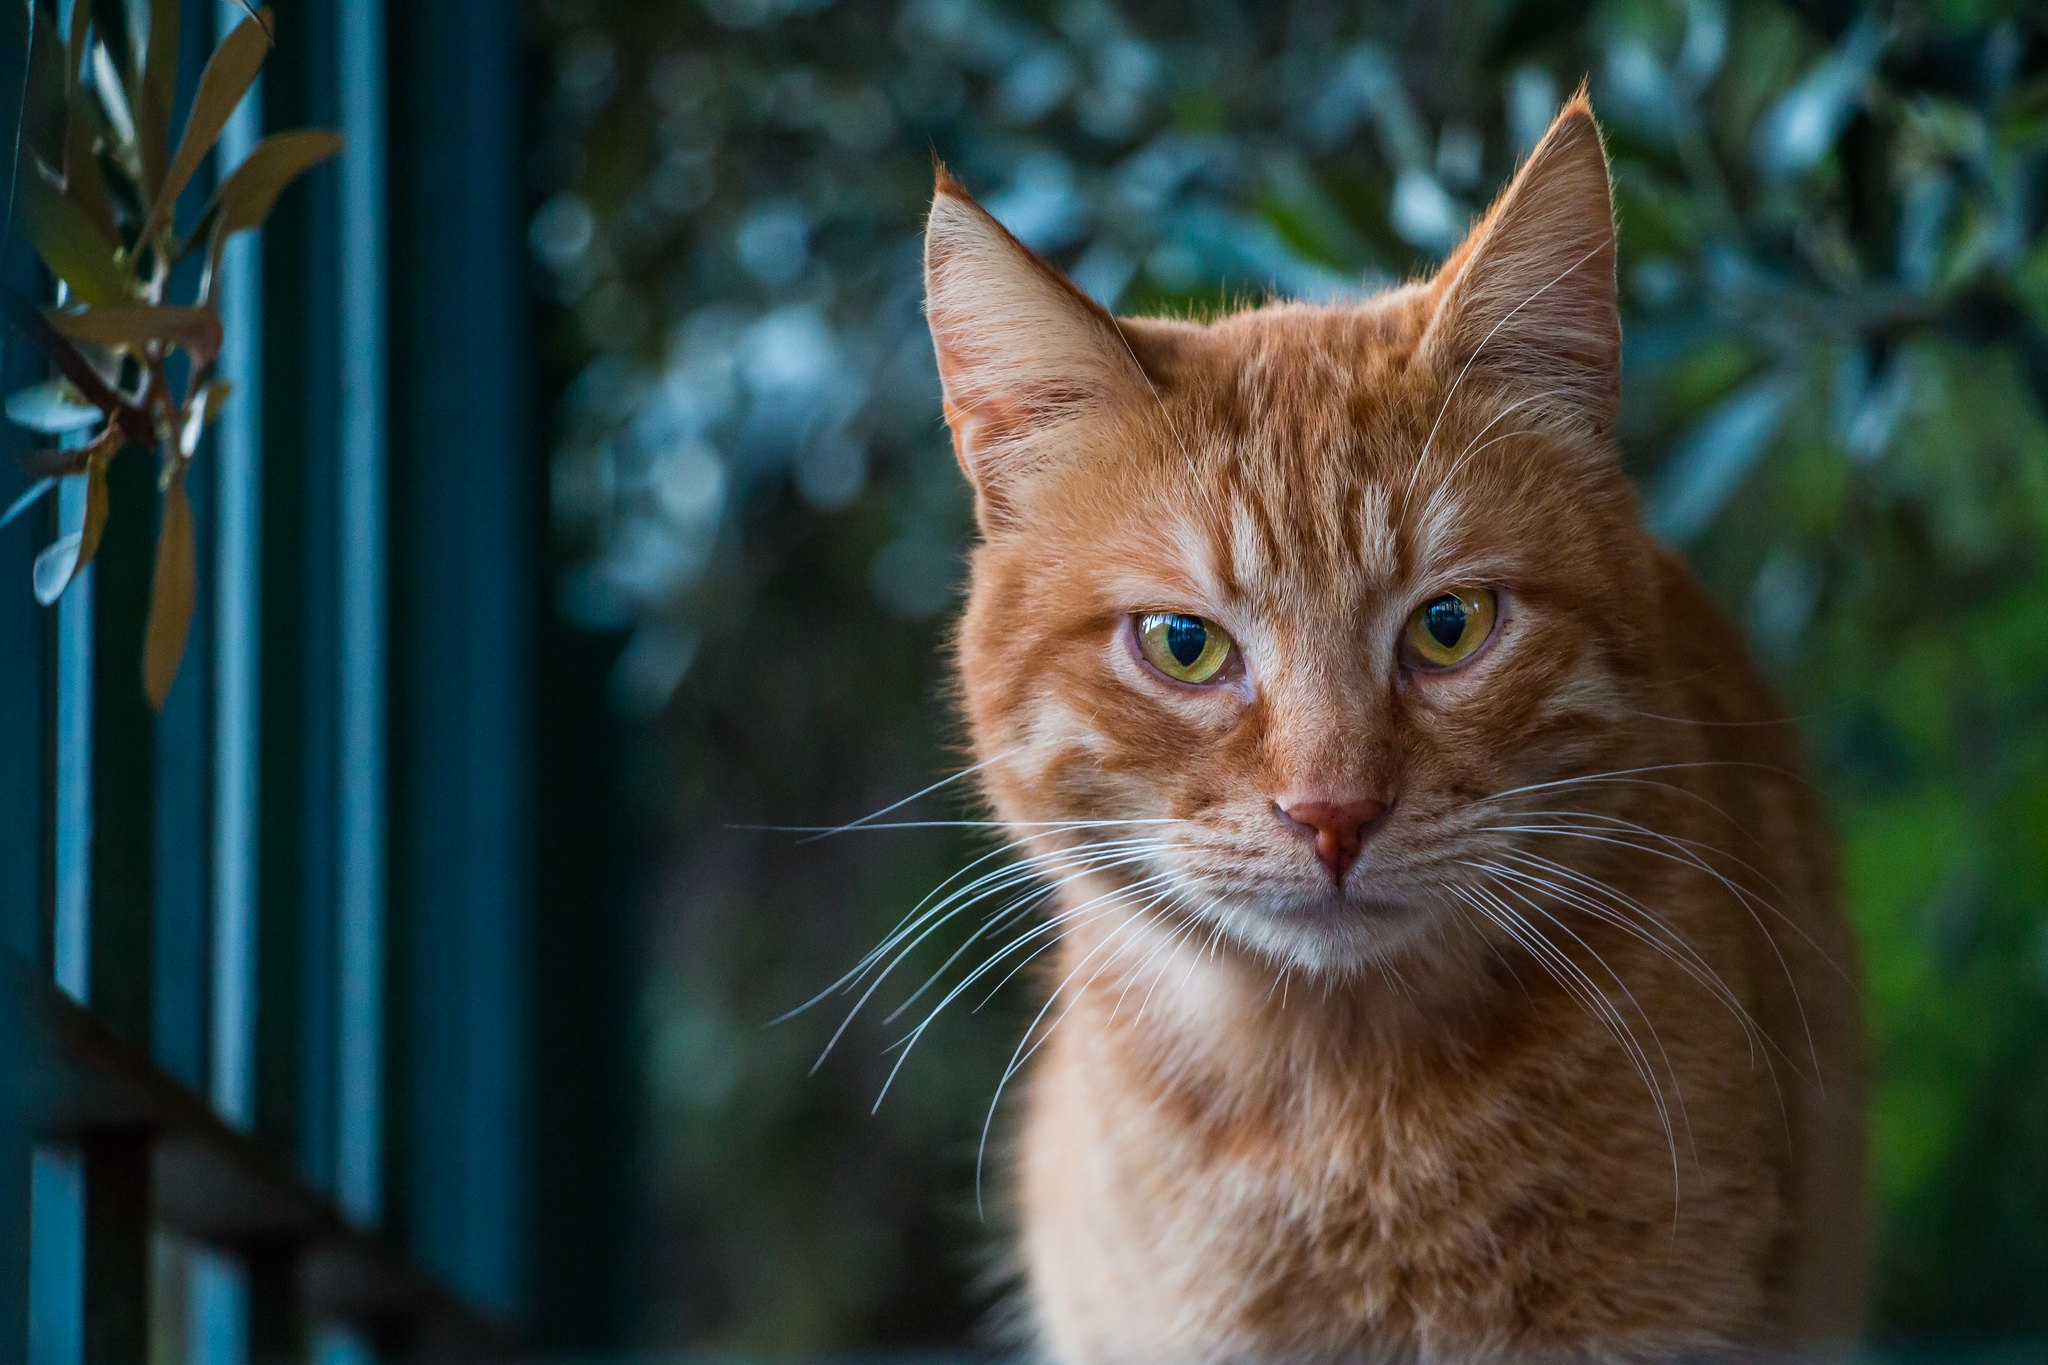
(1325, 936)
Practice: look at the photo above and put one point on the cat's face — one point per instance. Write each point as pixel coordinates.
(1270, 613)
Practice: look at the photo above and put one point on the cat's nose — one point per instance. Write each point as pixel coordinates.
(1340, 828)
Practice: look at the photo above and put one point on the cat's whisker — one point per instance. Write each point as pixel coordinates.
(874, 955)
(1175, 901)
(826, 830)
(1092, 860)
(1472, 359)
(1748, 899)
(1604, 780)
(1129, 851)
(1574, 981)
(1023, 1054)
(1161, 879)
(1049, 930)
(1030, 865)
(1759, 1040)
(1097, 861)
(1182, 936)
(1467, 452)
(1677, 1089)
(1615, 908)
(913, 797)
(1636, 771)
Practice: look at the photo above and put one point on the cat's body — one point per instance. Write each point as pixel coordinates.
(1404, 1010)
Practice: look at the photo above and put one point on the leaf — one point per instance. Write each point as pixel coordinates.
(159, 88)
(74, 49)
(200, 409)
(113, 97)
(52, 407)
(171, 594)
(246, 197)
(84, 182)
(227, 77)
(69, 362)
(55, 567)
(110, 21)
(33, 494)
(43, 101)
(77, 166)
(134, 325)
(1712, 458)
(68, 241)
(95, 499)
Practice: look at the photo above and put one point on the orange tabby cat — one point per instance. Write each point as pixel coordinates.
(1451, 964)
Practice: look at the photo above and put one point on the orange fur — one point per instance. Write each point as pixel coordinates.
(1614, 1111)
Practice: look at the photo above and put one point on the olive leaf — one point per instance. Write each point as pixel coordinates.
(228, 75)
(70, 244)
(52, 407)
(135, 325)
(245, 199)
(97, 107)
(110, 20)
(78, 168)
(30, 496)
(113, 98)
(60, 563)
(97, 458)
(84, 182)
(55, 567)
(171, 594)
(43, 98)
(159, 87)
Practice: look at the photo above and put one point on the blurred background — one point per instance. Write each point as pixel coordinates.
(710, 400)
(1834, 282)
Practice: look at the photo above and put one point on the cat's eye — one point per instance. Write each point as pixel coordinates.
(1185, 648)
(1447, 630)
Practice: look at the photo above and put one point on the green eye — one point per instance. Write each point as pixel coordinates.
(1184, 648)
(1445, 631)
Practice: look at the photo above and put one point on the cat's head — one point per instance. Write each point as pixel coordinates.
(1267, 611)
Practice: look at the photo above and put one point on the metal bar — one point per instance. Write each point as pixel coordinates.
(56, 1302)
(71, 928)
(360, 956)
(238, 605)
(216, 1185)
(464, 490)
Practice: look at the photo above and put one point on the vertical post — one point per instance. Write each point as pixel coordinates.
(117, 1250)
(71, 915)
(465, 495)
(359, 959)
(123, 745)
(24, 747)
(238, 603)
(56, 1287)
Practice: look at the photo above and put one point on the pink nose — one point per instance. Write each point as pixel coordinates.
(1341, 828)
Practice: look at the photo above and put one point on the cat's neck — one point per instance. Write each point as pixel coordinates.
(1195, 1011)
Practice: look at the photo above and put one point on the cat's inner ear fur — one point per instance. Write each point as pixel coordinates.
(1528, 300)
(1021, 351)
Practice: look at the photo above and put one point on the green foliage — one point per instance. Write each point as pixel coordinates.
(97, 195)
(1835, 282)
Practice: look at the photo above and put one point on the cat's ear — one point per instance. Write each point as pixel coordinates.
(1021, 350)
(1528, 299)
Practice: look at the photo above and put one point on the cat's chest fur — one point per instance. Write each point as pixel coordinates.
(1345, 1204)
